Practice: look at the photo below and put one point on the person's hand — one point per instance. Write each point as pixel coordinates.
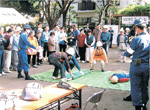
(104, 43)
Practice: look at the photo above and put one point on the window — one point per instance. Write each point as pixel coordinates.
(86, 5)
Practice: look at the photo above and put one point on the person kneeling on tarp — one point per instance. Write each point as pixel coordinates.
(119, 77)
(98, 54)
(72, 61)
(57, 59)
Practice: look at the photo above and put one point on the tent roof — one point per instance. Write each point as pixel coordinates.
(11, 16)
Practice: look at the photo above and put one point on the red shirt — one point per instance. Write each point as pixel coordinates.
(81, 39)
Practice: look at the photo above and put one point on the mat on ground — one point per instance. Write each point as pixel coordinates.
(95, 79)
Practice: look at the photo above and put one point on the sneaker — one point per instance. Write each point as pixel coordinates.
(103, 70)
(41, 62)
(4, 74)
(54, 78)
(0, 75)
(83, 61)
(91, 70)
(34, 66)
(38, 64)
(79, 61)
(64, 79)
(87, 61)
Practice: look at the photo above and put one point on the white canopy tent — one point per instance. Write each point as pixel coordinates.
(11, 16)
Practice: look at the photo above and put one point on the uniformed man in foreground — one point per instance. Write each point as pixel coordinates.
(139, 68)
(22, 53)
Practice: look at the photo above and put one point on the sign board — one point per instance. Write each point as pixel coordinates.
(130, 19)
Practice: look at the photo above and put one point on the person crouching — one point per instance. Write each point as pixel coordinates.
(98, 54)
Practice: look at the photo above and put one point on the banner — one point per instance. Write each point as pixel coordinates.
(131, 19)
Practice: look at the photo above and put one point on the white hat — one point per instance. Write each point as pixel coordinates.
(128, 29)
(70, 51)
(18, 28)
(105, 27)
(114, 79)
(99, 44)
(122, 30)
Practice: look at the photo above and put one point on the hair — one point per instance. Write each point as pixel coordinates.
(46, 26)
(81, 30)
(31, 32)
(141, 27)
(71, 27)
(52, 33)
(62, 28)
(39, 23)
(89, 30)
(10, 30)
(75, 25)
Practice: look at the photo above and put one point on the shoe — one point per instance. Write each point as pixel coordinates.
(28, 77)
(79, 61)
(78, 58)
(34, 66)
(83, 61)
(64, 79)
(58, 77)
(87, 61)
(91, 70)
(41, 62)
(7, 71)
(103, 70)
(138, 108)
(128, 98)
(20, 75)
(15, 69)
(0, 75)
(38, 64)
(4, 74)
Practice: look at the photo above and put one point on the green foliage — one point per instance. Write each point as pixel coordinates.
(135, 10)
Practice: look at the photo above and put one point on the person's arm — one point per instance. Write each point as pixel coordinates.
(93, 41)
(131, 49)
(86, 42)
(118, 37)
(25, 41)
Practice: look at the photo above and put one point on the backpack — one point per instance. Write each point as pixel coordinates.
(32, 91)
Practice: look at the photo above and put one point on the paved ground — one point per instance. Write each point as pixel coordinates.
(112, 99)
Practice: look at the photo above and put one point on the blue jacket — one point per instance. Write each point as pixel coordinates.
(90, 40)
(139, 47)
(23, 41)
(125, 39)
(72, 42)
(15, 45)
(2, 41)
(77, 32)
(45, 36)
(105, 37)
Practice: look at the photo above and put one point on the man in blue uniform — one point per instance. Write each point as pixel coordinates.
(22, 53)
(139, 68)
(2, 58)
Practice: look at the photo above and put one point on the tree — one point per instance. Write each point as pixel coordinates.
(105, 4)
(53, 10)
(135, 10)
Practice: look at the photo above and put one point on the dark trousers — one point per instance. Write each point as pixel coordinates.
(45, 50)
(82, 53)
(33, 59)
(62, 48)
(110, 42)
(2, 60)
(58, 66)
(106, 46)
(38, 60)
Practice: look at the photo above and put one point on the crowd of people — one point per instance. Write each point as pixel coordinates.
(61, 48)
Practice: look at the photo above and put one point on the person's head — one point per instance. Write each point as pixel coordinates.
(52, 34)
(27, 28)
(114, 79)
(98, 26)
(75, 26)
(10, 31)
(81, 31)
(32, 33)
(140, 26)
(46, 28)
(89, 32)
(62, 29)
(56, 28)
(1, 30)
(38, 34)
(71, 29)
(70, 51)
(127, 30)
(12, 27)
(110, 28)
(105, 29)
(87, 25)
(69, 23)
(39, 25)
(121, 31)
(18, 30)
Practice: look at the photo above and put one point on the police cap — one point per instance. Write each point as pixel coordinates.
(139, 22)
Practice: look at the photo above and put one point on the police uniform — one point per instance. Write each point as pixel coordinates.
(139, 68)
(22, 54)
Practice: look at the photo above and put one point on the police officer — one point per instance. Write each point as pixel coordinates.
(22, 53)
(139, 68)
(2, 58)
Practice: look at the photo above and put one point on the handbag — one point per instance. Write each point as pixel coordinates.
(32, 91)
